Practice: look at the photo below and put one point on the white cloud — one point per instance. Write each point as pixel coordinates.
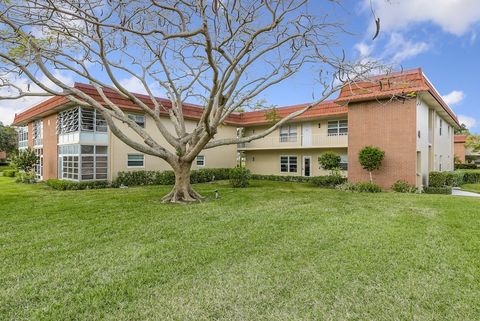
(454, 97)
(8, 108)
(453, 16)
(363, 49)
(399, 49)
(467, 120)
(133, 85)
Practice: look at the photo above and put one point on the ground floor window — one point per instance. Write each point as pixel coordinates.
(136, 160)
(39, 164)
(83, 162)
(200, 160)
(343, 162)
(288, 164)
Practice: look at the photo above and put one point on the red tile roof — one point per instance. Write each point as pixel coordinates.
(381, 87)
(460, 138)
(399, 84)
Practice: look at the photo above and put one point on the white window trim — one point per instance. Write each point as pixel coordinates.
(288, 163)
(291, 135)
(337, 121)
(204, 161)
(143, 166)
(137, 115)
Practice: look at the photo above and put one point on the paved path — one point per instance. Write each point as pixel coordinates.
(458, 192)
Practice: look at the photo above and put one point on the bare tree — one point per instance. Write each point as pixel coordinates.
(221, 53)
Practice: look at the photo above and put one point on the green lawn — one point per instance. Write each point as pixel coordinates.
(471, 188)
(274, 251)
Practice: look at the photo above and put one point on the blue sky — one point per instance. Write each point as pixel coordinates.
(439, 36)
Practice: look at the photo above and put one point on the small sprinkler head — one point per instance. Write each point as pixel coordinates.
(216, 194)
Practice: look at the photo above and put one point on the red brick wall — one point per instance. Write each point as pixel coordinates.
(50, 162)
(3, 155)
(390, 126)
(30, 135)
(459, 150)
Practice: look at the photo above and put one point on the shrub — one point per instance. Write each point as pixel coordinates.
(63, 185)
(328, 181)
(239, 177)
(346, 187)
(370, 158)
(368, 187)
(438, 190)
(329, 161)
(465, 166)
(471, 177)
(454, 179)
(25, 160)
(9, 173)
(362, 187)
(402, 186)
(437, 179)
(139, 178)
(280, 178)
(26, 177)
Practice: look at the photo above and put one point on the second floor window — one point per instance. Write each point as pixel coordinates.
(37, 133)
(288, 133)
(337, 127)
(139, 119)
(23, 137)
(440, 127)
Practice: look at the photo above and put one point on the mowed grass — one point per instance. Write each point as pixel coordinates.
(273, 251)
(471, 188)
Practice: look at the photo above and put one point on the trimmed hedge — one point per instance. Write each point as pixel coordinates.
(63, 185)
(465, 166)
(438, 190)
(471, 177)
(9, 173)
(437, 179)
(329, 181)
(139, 178)
(362, 187)
(279, 178)
(454, 179)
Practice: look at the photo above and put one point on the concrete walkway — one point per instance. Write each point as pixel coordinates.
(458, 192)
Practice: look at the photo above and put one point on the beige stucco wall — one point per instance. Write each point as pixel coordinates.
(219, 157)
(319, 135)
(267, 162)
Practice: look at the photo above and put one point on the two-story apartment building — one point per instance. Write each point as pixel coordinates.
(401, 113)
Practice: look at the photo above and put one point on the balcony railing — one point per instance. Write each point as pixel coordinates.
(311, 141)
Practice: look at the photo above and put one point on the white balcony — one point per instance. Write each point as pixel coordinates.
(311, 141)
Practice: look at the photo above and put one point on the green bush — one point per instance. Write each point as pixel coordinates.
(370, 158)
(328, 181)
(465, 166)
(402, 186)
(239, 177)
(9, 173)
(362, 187)
(139, 178)
(368, 187)
(471, 177)
(25, 160)
(454, 179)
(26, 177)
(437, 179)
(329, 161)
(438, 190)
(64, 185)
(280, 178)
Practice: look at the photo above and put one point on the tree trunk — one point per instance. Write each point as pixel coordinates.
(371, 179)
(182, 192)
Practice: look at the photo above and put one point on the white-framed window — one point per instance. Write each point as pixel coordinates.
(37, 134)
(288, 133)
(200, 160)
(136, 160)
(337, 127)
(80, 118)
(344, 162)
(288, 164)
(440, 127)
(39, 163)
(139, 119)
(83, 162)
(22, 137)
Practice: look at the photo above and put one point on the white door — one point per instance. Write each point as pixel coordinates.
(307, 134)
(307, 166)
